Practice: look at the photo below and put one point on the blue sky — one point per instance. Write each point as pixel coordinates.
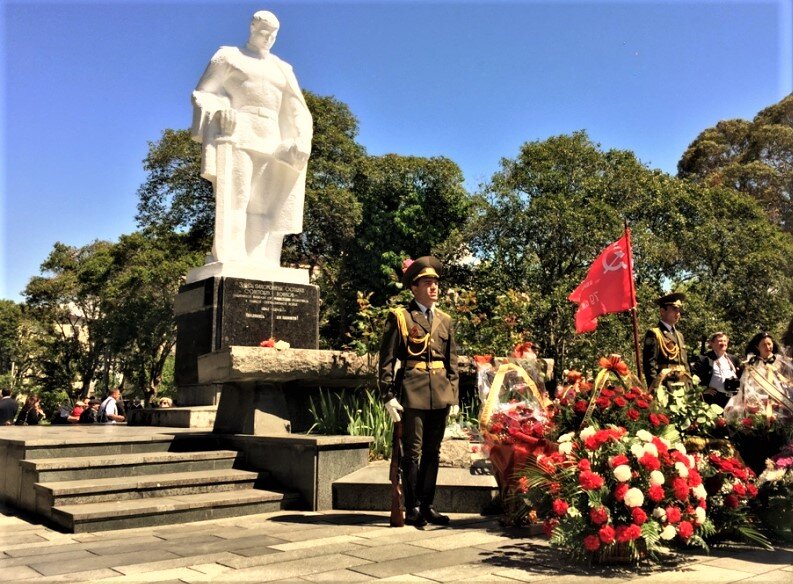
(85, 86)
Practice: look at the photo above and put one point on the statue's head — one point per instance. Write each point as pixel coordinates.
(264, 30)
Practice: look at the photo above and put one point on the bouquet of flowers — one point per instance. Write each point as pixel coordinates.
(610, 494)
(774, 503)
(513, 421)
(616, 397)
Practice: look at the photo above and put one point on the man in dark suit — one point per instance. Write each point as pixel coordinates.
(718, 371)
(664, 356)
(419, 382)
(8, 408)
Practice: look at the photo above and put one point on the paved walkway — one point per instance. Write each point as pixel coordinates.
(338, 547)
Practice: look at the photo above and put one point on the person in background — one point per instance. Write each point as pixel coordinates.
(90, 414)
(77, 410)
(719, 371)
(8, 408)
(108, 411)
(31, 413)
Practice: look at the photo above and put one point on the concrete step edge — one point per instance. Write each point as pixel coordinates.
(125, 483)
(84, 462)
(164, 505)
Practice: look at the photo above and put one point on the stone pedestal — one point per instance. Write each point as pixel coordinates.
(221, 311)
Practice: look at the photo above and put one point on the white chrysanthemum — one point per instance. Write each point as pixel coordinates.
(566, 447)
(573, 512)
(644, 435)
(281, 345)
(657, 478)
(622, 473)
(637, 450)
(665, 442)
(650, 448)
(680, 447)
(634, 497)
(699, 492)
(566, 437)
(681, 469)
(659, 513)
(587, 432)
(668, 532)
(700, 513)
(691, 462)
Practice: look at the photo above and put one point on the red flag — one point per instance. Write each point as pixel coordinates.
(608, 287)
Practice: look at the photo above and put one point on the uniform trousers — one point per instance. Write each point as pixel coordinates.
(422, 434)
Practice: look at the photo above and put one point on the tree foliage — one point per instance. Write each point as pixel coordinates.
(754, 157)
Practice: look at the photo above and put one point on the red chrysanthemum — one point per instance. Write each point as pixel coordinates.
(560, 507)
(620, 490)
(638, 515)
(673, 514)
(680, 488)
(626, 533)
(584, 464)
(685, 529)
(694, 478)
(580, 406)
(617, 460)
(650, 462)
(655, 492)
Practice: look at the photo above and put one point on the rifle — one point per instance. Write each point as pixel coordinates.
(397, 515)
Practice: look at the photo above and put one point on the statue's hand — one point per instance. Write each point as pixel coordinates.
(292, 154)
(227, 119)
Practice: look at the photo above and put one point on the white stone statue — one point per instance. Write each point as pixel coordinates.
(256, 129)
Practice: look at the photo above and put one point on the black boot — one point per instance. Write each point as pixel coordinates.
(414, 516)
(432, 516)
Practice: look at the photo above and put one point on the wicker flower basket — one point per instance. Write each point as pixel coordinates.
(621, 553)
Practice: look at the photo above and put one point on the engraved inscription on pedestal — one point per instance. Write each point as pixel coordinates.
(255, 311)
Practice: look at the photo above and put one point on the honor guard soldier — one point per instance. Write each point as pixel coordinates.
(419, 385)
(664, 358)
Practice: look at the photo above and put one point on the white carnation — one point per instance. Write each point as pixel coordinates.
(566, 437)
(699, 492)
(691, 462)
(657, 478)
(644, 435)
(637, 450)
(700, 513)
(665, 442)
(587, 432)
(681, 469)
(659, 513)
(650, 448)
(573, 512)
(622, 473)
(634, 498)
(566, 447)
(668, 532)
(680, 448)
(281, 345)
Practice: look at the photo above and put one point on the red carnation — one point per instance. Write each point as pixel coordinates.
(694, 478)
(673, 514)
(559, 507)
(639, 516)
(746, 422)
(680, 487)
(752, 490)
(702, 503)
(602, 402)
(580, 406)
(549, 526)
(591, 543)
(685, 529)
(626, 533)
(620, 490)
(650, 462)
(590, 481)
(606, 534)
(584, 464)
(620, 402)
(641, 403)
(654, 420)
(739, 489)
(598, 515)
(615, 461)
(664, 419)
(656, 492)
(731, 501)
(632, 414)
(659, 445)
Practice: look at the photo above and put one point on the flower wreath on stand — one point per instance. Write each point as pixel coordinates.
(774, 504)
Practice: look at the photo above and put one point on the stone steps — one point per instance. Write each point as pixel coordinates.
(58, 493)
(167, 510)
(458, 491)
(93, 446)
(134, 464)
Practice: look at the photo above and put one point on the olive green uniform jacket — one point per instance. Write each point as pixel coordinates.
(424, 387)
(654, 359)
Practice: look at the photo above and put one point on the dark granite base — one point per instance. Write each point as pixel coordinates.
(219, 312)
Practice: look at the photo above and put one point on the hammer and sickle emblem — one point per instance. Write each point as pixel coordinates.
(612, 260)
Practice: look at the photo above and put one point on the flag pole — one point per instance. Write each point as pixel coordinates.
(635, 323)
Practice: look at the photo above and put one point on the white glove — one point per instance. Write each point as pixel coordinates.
(454, 411)
(393, 407)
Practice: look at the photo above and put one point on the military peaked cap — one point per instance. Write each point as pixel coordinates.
(675, 299)
(423, 266)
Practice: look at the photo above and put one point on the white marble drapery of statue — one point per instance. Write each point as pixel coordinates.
(256, 130)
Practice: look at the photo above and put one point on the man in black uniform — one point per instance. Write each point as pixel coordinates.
(664, 357)
(418, 370)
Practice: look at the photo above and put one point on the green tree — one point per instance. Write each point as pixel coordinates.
(754, 157)
(548, 213)
(67, 301)
(144, 277)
